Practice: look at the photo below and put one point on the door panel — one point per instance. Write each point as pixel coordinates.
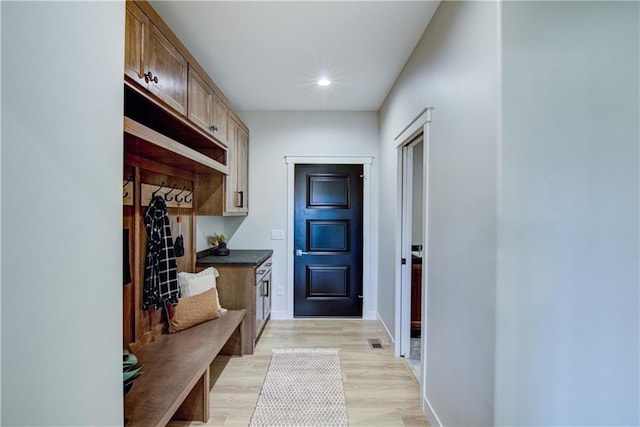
(326, 281)
(328, 240)
(171, 69)
(328, 191)
(328, 236)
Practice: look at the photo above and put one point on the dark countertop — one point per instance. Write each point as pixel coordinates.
(253, 257)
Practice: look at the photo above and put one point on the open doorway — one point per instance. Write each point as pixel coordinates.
(417, 234)
(412, 205)
(413, 246)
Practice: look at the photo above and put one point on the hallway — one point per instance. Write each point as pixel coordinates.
(379, 388)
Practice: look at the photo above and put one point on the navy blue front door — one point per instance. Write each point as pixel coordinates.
(328, 240)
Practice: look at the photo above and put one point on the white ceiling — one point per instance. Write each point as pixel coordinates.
(267, 55)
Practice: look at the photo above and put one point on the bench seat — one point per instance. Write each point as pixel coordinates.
(175, 379)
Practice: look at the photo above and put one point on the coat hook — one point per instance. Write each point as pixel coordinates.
(166, 195)
(185, 197)
(158, 189)
(126, 193)
(179, 199)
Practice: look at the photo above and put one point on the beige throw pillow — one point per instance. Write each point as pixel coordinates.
(191, 311)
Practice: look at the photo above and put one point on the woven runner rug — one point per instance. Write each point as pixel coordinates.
(303, 387)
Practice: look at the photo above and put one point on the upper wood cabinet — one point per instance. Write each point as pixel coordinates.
(200, 101)
(228, 195)
(220, 120)
(170, 68)
(136, 39)
(237, 182)
(152, 61)
(242, 169)
(168, 92)
(205, 108)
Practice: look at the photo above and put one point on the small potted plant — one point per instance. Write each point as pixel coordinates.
(219, 242)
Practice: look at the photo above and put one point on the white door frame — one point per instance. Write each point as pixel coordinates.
(403, 298)
(369, 285)
(406, 240)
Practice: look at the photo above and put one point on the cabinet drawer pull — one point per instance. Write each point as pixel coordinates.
(150, 77)
(241, 194)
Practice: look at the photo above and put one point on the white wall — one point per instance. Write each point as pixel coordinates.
(62, 108)
(561, 193)
(454, 68)
(275, 135)
(568, 316)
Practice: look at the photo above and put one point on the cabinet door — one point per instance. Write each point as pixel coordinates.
(166, 63)
(237, 187)
(259, 309)
(220, 120)
(266, 301)
(136, 40)
(231, 181)
(242, 170)
(200, 97)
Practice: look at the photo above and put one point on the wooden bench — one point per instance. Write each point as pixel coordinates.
(175, 379)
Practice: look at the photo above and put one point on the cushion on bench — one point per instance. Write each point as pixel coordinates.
(191, 311)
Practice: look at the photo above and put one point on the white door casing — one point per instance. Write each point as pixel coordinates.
(369, 287)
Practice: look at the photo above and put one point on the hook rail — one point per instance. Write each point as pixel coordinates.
(166, 195)
(127, 191)
(173, 197)
(158, 189)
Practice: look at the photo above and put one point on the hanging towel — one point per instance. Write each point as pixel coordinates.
(161, 272)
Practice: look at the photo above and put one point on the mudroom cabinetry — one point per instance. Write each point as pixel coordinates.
(205, 107)
(160, 70)
(228, 195)
(237, 188)
(244, 282)
(175, 139)
(153, 61)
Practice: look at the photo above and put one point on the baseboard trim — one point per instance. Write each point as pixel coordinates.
(371, 315)
(431, 413)
(384, 327)
(280, 315)
(284, 315)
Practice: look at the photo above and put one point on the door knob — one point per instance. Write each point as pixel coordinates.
(300, 253)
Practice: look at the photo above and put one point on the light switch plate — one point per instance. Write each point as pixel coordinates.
(277, 234)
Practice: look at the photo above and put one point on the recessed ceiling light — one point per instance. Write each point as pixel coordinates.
(324, 82)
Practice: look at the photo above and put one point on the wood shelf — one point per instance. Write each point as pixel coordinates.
(146, 108)
(145, 142)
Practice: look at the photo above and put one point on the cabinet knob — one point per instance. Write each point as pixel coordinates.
(213, 128)
(148, 77)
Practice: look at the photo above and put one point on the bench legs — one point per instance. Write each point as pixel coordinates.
(196, 405)
(234, 345)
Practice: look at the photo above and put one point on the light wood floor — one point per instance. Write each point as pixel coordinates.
(379, 388)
